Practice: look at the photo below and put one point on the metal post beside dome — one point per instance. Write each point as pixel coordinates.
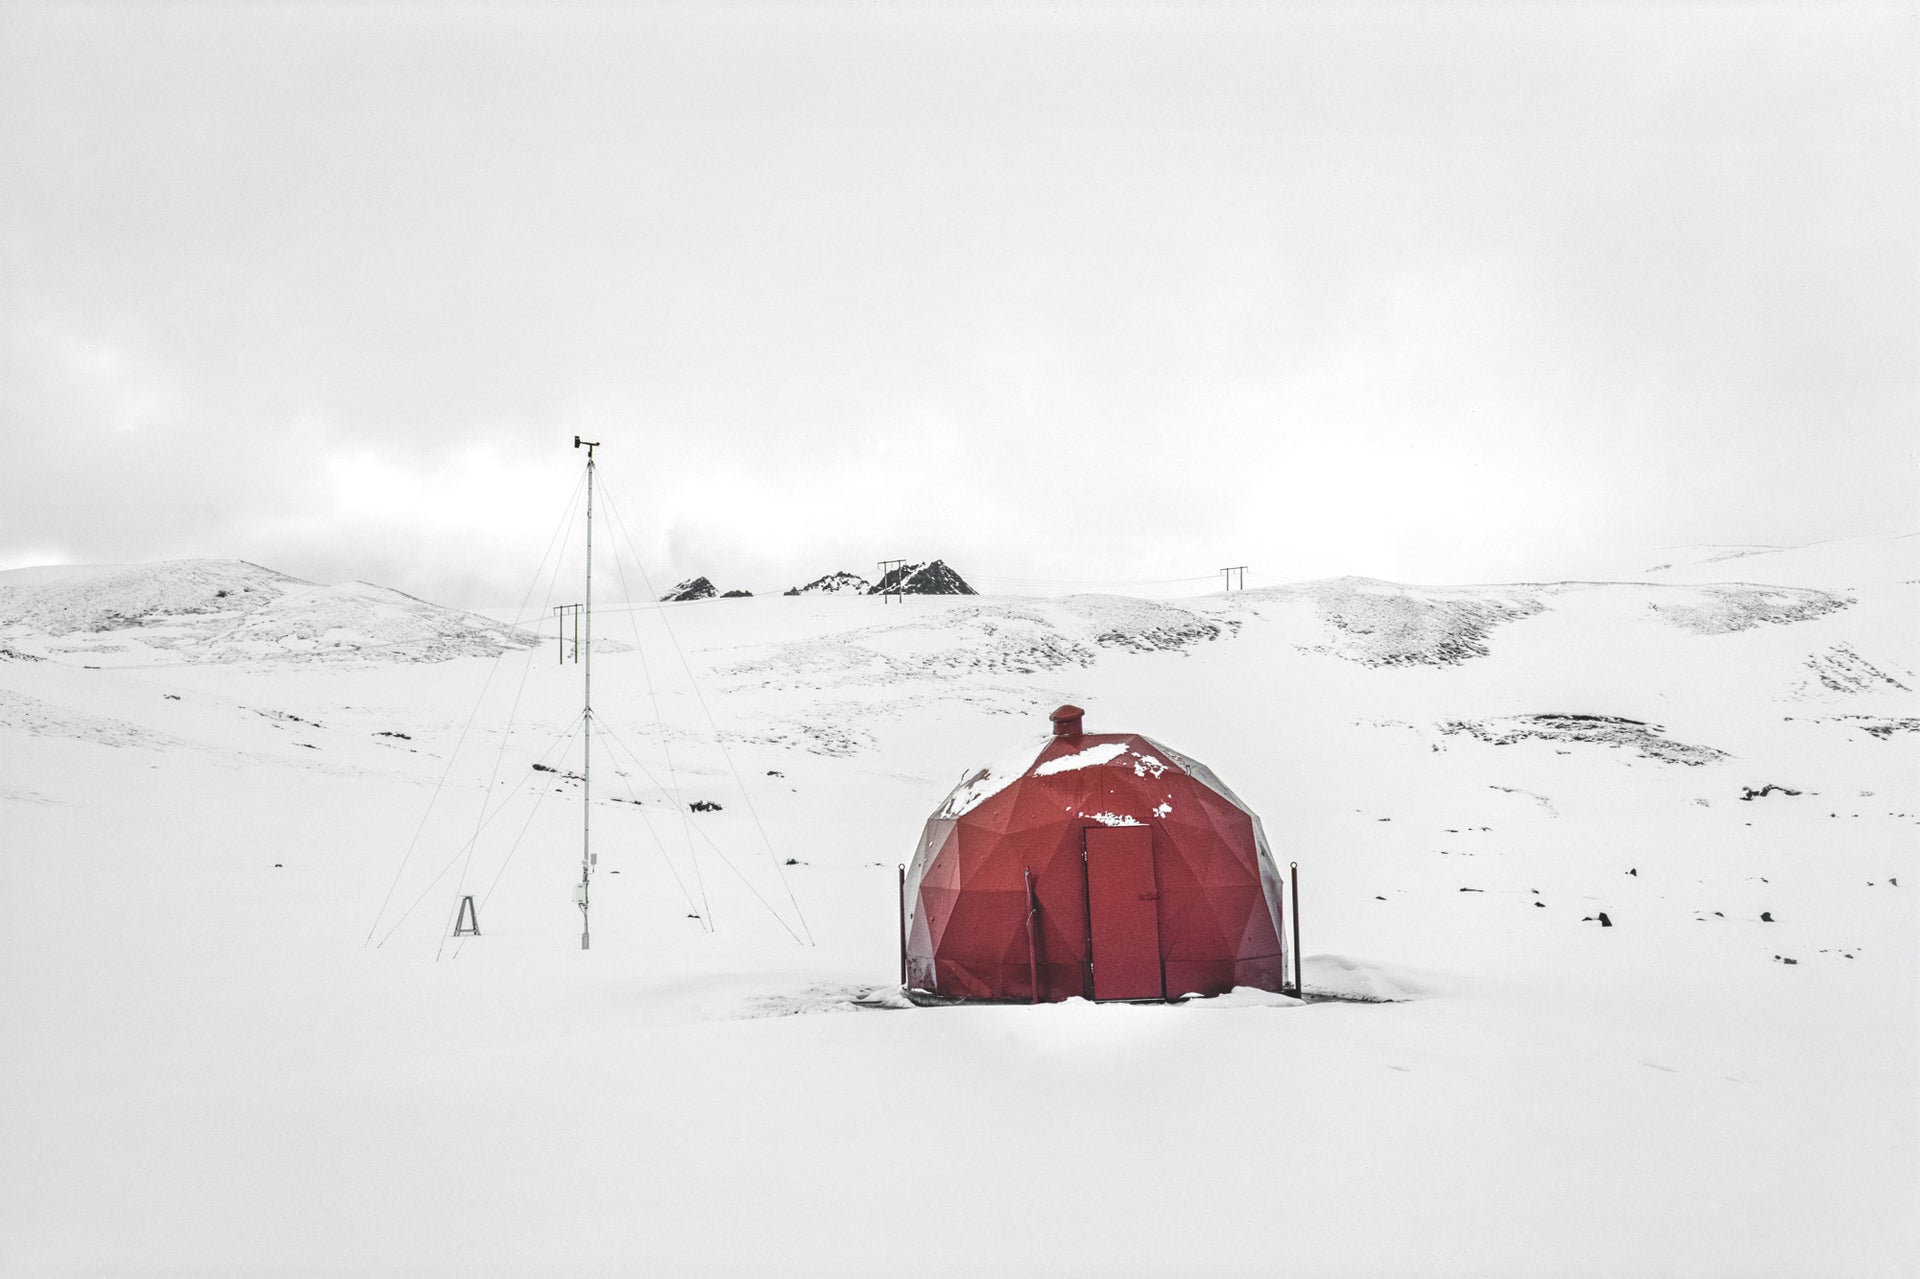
(1293, 877)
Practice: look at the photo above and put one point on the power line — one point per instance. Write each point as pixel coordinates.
(1089, 581)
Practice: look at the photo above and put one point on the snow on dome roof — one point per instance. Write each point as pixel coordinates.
(1104, 753)
(978, 787)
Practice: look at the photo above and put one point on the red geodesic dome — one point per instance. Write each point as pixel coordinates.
(1103, 865)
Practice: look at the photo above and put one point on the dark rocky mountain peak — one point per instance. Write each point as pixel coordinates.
(694, 588)
(931, 578)
(834, 584)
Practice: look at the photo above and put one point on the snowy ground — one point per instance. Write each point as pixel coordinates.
(210, 1070)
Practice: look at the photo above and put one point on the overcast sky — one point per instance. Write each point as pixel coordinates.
(1058, 292)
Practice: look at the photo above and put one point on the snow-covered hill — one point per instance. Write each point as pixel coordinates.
(227, 611)
(1840, 565)
(226, 882)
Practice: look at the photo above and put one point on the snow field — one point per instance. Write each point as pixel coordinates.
(209, 1072)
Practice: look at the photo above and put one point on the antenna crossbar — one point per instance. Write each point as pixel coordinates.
(890, 591)
(568, 613)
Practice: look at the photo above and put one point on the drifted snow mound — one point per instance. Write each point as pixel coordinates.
(36, 718)
(931, 578)
(1005, 653)
(230, 610)
(1244, 997)
(1375, 623)
(834, 584)
(1378, 623)
(993, 637)
(1722, 610)
(1844, 565)
(1681, 558)
(1344, 977)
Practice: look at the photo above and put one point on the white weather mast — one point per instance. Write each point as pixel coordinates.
(582, 892)
(466, 919)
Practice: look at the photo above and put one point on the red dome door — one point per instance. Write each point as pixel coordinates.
(1123, 913)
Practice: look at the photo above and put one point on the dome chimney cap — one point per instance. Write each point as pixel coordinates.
(1066, 721)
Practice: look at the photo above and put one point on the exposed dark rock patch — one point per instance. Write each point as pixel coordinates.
(1880, 726)
(287, 717)
(1172, 635)
(1612, 731)
(1841, 670)
(1886, 728)
(1748, 793)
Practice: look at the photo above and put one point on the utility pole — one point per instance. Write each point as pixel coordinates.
(889, 594)
(581, 894)
(566, 612)
(1241, 569)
